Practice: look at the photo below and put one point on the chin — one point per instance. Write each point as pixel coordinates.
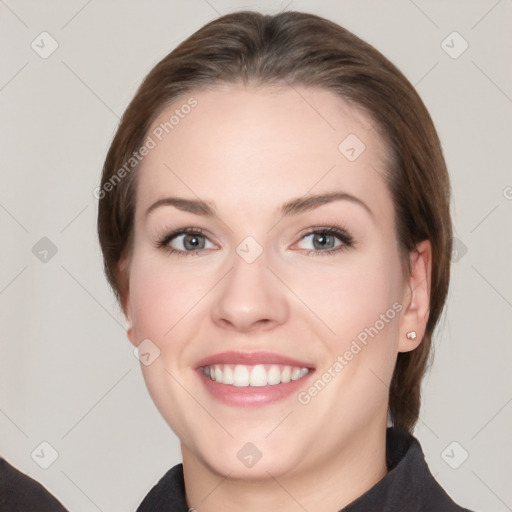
(264, 465)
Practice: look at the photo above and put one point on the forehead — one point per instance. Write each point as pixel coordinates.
(241, 143)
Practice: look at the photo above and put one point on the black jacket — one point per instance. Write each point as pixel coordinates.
(407, 487)
(20, 493)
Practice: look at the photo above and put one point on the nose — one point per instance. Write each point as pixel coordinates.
(250, 297)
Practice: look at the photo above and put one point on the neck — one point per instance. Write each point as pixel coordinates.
(328, 486)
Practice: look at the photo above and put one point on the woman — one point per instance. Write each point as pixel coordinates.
(274, 220)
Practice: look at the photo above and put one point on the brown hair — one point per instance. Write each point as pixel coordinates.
(294, 48)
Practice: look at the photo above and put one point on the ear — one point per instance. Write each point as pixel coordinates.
(416, 297)
(125, 300)
(130, 333)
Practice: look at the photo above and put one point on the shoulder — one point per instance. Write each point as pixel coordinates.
(433, 496)
(408, 485)
(167, 494)
(409, 472)
(20, 493)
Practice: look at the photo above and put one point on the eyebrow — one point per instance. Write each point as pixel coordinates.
(293, 207)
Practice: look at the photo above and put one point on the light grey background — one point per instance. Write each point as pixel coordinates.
(68, 374)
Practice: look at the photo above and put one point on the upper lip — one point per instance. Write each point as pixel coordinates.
(251, 358)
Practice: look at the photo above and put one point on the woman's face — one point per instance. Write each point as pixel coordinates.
(295, 305)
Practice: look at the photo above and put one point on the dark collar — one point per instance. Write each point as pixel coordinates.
(408, 486)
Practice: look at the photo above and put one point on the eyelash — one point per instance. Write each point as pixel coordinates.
(334, 230)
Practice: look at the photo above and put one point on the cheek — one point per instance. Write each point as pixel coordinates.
(160, 298)
(162, 303)
(362, 307)
(353, 296)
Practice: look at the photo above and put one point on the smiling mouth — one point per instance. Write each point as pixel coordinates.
(258, 375)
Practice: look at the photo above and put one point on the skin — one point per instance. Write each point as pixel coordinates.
(249, 150)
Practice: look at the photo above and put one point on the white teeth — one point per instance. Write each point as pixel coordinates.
(258, 375)
(241, 376)
(286, 374)
(274, 376)
(295, 373)
(228, 375)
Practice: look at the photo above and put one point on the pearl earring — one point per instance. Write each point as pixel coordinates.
(411, 335)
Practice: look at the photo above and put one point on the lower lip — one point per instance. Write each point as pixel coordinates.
(252, 395)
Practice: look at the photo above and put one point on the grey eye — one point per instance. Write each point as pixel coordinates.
(321, 241)
(188, 242)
